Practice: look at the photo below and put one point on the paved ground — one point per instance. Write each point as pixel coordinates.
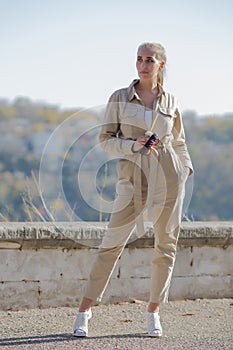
(199, 324)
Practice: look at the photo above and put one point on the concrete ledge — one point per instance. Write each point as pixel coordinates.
(37, 235)
(47, 264)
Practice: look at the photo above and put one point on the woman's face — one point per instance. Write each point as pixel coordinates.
(148, 65)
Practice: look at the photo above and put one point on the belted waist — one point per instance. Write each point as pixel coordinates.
(164, 142)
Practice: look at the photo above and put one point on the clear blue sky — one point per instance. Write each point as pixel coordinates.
(76, 53)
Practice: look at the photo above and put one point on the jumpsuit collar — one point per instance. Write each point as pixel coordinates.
(132, 92)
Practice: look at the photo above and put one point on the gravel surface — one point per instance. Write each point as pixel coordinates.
(200, 324)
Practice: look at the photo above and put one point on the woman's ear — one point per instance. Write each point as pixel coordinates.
(162, 65)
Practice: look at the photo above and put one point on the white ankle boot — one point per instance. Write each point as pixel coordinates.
(153, 324)
(81, 323)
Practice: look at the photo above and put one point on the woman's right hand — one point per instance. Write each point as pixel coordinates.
(139, 143)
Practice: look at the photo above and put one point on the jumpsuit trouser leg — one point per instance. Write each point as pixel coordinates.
(167, 211)
(119, 230)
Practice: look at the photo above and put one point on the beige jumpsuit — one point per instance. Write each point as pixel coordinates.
(154, 183)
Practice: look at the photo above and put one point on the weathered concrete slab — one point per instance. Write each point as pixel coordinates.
(89, 234)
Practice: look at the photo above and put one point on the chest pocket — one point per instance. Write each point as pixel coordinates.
(132, 114)
(167, 112)
(165, 122)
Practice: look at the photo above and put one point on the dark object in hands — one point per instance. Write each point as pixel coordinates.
(153, 139)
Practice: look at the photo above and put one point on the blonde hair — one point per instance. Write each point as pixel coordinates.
(159, 53)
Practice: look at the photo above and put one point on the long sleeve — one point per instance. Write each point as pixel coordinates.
(110, 133)
(178, 142)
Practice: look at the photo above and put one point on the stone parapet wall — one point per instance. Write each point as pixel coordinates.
(47, 264)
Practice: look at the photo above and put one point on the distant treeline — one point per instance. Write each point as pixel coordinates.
(27, 126)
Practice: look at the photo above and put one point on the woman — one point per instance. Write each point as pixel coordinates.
(151, 178)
